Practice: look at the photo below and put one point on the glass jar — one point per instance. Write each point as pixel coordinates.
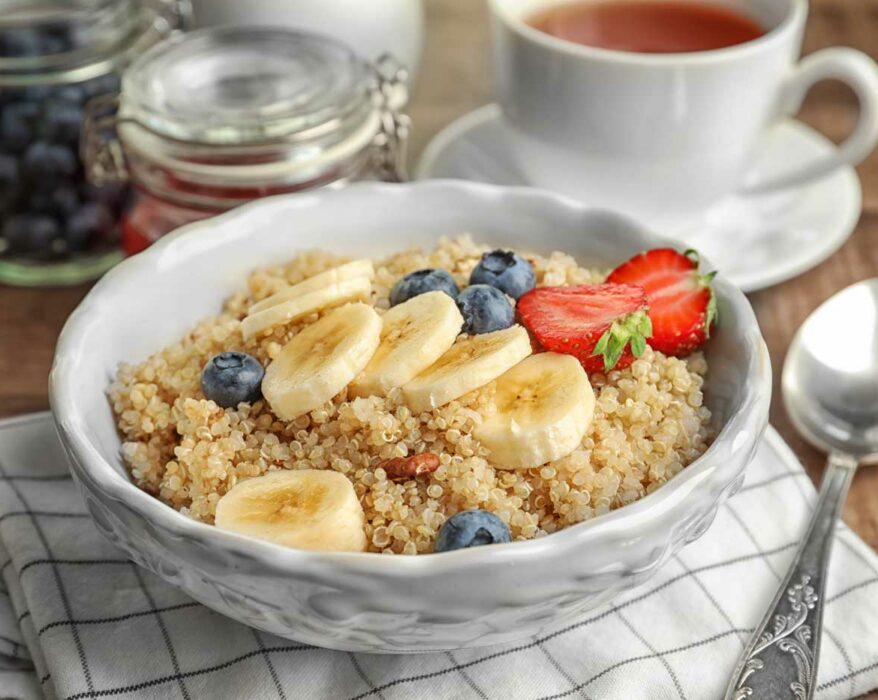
(211, 119)
(55, 55)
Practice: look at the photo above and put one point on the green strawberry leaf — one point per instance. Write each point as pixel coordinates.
(644, 325)
(693, 255)
(632, 329)
(601, 347)
(712, 316)
(638, 345)
(615, 348)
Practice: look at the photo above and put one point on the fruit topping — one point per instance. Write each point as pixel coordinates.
(421, 282)
(468, 365)
(414, 335)
(297, 307)
(231, 378)
(505, 270)
(405, 468)
(328, 278)
(321, 360)
(682, 305)
(485, 309)
(544, 407)
(315, 509)
(471, 528)
(604, 326)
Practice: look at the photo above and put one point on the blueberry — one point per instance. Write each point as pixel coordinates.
(60, 202)
(17, 125)
(113, 195)
(37, 93)
(232, 377)
(10, 185)
(39, 202)
(64, 201)
(30, 233)
(505, 270)
(484, 309)
(102, 85)
(20, 43)
(91, 222)
(44, 165)
(8, 177)
(51, 43)
(420, 282)
(73, 93)
(471, 528)
(62, 122)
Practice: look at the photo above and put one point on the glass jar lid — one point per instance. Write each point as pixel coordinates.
(53, 41)
(247, 107)
(236, 86)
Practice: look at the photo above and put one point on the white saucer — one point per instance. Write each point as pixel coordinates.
(760, 241)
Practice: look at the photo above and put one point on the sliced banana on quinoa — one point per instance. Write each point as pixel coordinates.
(321, 360)
(545, 405)
(414, 335)
(283, 312)
(469, 364)
(315, 509)
(327, 278)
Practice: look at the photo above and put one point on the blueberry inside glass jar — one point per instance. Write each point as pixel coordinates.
(212, 119)
(55, 56)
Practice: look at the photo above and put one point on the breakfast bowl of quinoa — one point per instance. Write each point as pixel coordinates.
(409, 418)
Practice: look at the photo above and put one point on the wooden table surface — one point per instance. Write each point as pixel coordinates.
(455, 79)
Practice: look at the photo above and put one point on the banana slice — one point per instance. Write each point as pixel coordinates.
(335, 294)
(544, 407)
(321, 360)
(306, 509)
(415, 334)
(469, 364)
(328, 278)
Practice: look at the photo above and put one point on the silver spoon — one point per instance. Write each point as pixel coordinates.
(830, 390)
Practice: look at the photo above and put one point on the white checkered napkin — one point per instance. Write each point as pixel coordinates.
(79, 621)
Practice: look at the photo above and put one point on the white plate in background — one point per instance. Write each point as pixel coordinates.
(760, 241)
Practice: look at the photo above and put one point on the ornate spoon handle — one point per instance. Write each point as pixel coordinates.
(780, 660)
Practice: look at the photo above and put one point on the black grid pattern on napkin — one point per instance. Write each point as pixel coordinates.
(91, 611)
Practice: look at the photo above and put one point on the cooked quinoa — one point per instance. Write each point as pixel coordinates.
(649, 423)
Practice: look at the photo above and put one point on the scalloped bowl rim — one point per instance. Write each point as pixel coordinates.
(634, 516)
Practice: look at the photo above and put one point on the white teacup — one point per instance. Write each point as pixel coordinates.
(663, 136)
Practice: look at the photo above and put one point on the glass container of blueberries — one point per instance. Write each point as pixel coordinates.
(209, 120)
(56, 56)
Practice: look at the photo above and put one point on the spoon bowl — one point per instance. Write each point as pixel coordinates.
(830, 377)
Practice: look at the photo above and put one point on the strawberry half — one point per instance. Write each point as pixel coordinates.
(604, 326)
(682, 305)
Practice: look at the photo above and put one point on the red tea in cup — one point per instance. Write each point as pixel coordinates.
(648, 26)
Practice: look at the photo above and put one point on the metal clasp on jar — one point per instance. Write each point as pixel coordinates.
(392, 140)
(100, 148)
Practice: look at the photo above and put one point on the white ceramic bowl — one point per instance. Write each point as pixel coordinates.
(368, 602)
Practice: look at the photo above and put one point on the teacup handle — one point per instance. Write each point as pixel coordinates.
(853, 68)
